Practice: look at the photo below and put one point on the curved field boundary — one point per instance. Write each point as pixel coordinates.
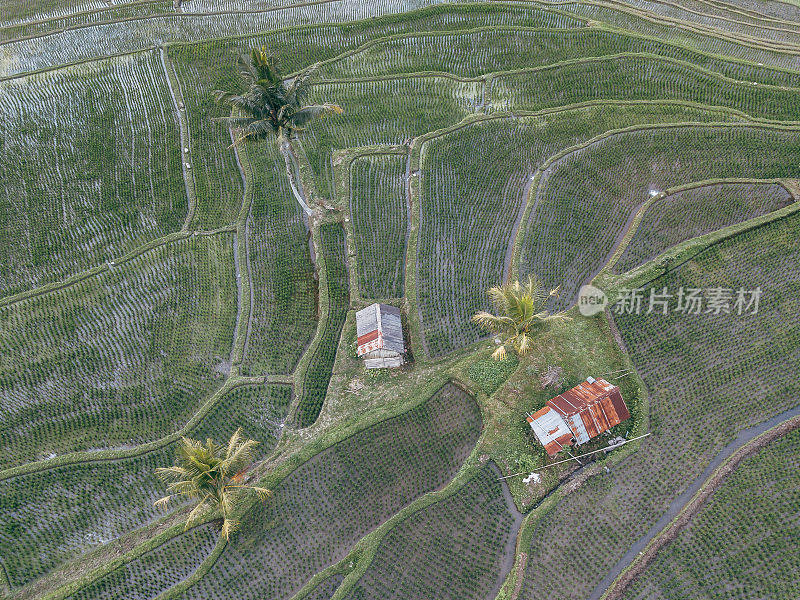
(415, 318)
(742, 39)
(531, 204)
(647, 55)
(342, 161)
(436, 7)
(377, 42)
(441, 455)
(284, 461)
(773, 24)
(135, 253)
(495, 553)
(638, 216)
(243, 275)
(186, 141)
(83, 457)
(66, 14)
(689, 503)
(162, 16)
(680, 254)
(731, 8)
(691, 35)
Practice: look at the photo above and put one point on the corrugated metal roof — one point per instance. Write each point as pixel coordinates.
(550, 429)
(379, 326)
(590, 408)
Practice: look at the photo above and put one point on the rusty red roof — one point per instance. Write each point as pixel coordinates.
(590, 408)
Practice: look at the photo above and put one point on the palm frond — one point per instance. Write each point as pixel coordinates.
(163, 502)
(229, 526)
(307, 113)
(167, 474)
(500, 353)
(197, 511)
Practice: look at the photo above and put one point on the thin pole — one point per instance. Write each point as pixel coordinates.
(581, 456)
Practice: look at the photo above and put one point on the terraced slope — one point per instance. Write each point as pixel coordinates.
(83, 505)
(705, 385)
(91, 168)
(324, 507)
(742, 542)
(155, 282)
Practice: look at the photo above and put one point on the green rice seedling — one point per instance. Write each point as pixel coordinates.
(584, 199)
(326, 589)
(103, 39)
(379, 211)
(689, 213)
(330, 502)
(123, 357)
(91, 168)
(724, 19)
(476, 182)
(336, 297)
(52, 516)
(473, 53)
(283, 317)
(456, 548)
(156, 571)
(709, 376)
(743, 542)
(60, 15)
(639, 77)
(703, 39)
(386, 111)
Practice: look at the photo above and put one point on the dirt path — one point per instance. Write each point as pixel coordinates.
(512, 240)
(246, 234)
(690, 501)
(183, 127)
(510, 550)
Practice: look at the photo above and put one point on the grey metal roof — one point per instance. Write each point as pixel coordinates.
(386, 320)
(392, 328)
(367, 320)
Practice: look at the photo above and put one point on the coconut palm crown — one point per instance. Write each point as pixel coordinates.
(520, 308)
(270, 107)
(212, 476)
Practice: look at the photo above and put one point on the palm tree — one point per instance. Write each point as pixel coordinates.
(520, 309)
(212, 476)
(270, 106)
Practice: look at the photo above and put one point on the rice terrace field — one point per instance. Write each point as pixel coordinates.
(276, 319)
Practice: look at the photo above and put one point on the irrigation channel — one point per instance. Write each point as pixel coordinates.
(677, 505)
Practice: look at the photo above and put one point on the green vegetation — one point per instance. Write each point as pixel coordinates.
(122, 357)
(335, 301)
(378, 207)
(520, 311)
(157, 570)
(283, 316)
(212, 477)
(743, 540)
(454, 549)
(491, 374)
(270, 107)
(158, 284)
(86, 178)
(687, 213)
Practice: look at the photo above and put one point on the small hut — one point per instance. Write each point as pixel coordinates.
(380, 336)
(578, 415)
